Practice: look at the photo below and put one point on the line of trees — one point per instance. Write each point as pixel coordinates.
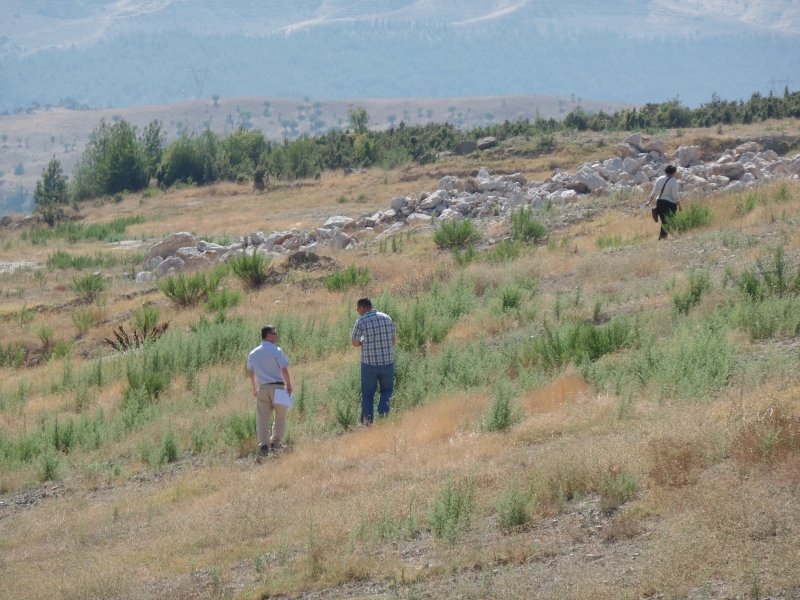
(118, 158)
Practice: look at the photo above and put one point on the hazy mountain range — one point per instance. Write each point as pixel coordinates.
(32, 25)
(104, 53)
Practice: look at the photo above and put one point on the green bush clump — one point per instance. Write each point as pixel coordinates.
(504, 251)
(223, 299)
(349, 277)
(456, 234)
(64, 260)
(695, 216)
(524, 227)
(580, 342)
(451, 514)
(698, 283)
(502, 415)
(89, 286)
(514, 509)
(251, 268)
(188, 290)
(617, 488)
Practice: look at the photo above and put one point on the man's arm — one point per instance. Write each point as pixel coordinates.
(394, 339)
(255, 383)
(287, 379)
(356, 343)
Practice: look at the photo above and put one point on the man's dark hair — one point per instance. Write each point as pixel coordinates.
(671, 170)
(364, 303)
(267, 329)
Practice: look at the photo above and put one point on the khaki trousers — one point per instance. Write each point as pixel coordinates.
(265, 406)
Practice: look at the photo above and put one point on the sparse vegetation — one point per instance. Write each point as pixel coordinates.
(456, 234)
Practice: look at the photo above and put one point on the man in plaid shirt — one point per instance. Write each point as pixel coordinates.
(376, 335)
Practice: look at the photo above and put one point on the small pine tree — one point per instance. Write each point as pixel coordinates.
(50, 195)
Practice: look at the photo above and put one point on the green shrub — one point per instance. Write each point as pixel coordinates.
(580, 342)
(463, 257)
(524, 227)
(617, 489)
(696, 215)
(510, 296)
(169, 447)
(188, 290)
(89, 286)
(451, 514)
(83, 319)
(501, 414)
(698, 283)
(48, 466)
(146, 318)
(239, 430)
(506, 250)
(456, 234)
(251, 268)
(604, 241)
(342, 199)
(223, 299)
(513, 510)
(349, 277)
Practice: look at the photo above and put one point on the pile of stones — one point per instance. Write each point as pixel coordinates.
(636, 164)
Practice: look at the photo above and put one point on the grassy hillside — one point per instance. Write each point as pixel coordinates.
(598, 416)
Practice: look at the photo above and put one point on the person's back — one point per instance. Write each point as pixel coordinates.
(375, 330)
(375, 333)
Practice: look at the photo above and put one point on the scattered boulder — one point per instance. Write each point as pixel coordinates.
(399, 202)
(625, 151)
(168, 266)
(340, 222)
(417, 219)
(655, 146)
(465, 147)
(590, 180)
(169, 245)
(746, 147)
(448, 215)
(486, 143)
(340, 240)
(143, 277)
(685, 155)
(635, 140)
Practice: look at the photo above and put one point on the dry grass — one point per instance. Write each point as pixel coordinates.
(716, 478)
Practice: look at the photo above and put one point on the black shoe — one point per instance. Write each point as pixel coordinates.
(277, 446)
(263, 453)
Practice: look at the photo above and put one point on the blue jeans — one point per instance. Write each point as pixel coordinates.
(371, 376)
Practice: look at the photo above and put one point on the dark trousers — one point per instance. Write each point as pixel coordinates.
(371, 377)
(664, 208)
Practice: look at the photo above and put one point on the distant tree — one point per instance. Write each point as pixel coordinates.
(215, 98)
(406, 115)
(306, 99)
(50, 196)
(266, 104)
(153, 140)
(490, 116)
(419, 112)
(430, 114)
(4, 137)
(19, 169)
(359, 118)
(452, 111)
(392, 119)
(318, 108)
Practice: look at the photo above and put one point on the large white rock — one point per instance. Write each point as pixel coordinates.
(276, 239)
(396, 228)
(143, 277)
(340, 222)
(631, 165)
(486, 143)
(169, 245)
(732, 170)
(258, 238)
(656, 146)
(625, 150)
(591, 180)
(483, 174)
(171, 264)
(490, 185)
(635, 140)
(398, 202)
(187, 253)
(448, 215)
(685, 155)
(449, 182)
(340, 240)
(205, 246)
(518, 178)
(563, 197)
(417, 219)
(746, 147)
(640, 178)
(433, 200)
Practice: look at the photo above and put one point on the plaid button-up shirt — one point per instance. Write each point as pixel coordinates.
(375, 330)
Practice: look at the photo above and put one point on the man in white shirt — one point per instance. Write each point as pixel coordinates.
(269, 371)
(666, 193)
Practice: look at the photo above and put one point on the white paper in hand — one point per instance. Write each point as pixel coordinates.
(283, 397)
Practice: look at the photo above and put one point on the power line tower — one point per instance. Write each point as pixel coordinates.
(199, 79)
(773, 81)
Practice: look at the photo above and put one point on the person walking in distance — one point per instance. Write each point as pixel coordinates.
(375, 333)
(668, 200)
(269, 371)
